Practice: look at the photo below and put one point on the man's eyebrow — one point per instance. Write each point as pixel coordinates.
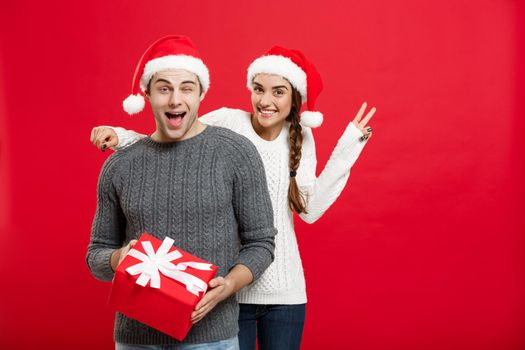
(160, 80)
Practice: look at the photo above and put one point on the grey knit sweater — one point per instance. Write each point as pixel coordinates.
(208, 193)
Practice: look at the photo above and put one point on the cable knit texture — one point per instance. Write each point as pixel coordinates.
(208, 193)
(283, 282)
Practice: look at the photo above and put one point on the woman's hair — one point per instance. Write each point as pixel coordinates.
(296, 199)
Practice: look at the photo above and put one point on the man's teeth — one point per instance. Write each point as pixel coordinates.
(175, 115)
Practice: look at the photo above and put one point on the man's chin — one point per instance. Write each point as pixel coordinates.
(176, 135)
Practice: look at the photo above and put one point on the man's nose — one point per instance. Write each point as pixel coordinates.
(175, 98)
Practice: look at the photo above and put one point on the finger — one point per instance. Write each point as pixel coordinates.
(213, 283)
(125, 250)
(202, 303)
(367, 118)
(367, 130)
(112, 141)
(206, 299)
(97, 143)
(97, 132)
(94, 135)
(196, 316)
(123, 254)
(197, 319)
(96, 139)
(199, 315)
(108, 134)
(101, 146)
(363, 138)
(101, 142)
(108, 138)
(360, 113)
(217, 281)
(103, 136)
(131, 244)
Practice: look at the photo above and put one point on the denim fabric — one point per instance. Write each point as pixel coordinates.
(227, 344)
(276, 327)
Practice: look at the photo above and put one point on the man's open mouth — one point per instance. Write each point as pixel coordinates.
(175, 118)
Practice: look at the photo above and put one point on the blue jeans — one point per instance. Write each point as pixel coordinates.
(276, 327)
(227, 344)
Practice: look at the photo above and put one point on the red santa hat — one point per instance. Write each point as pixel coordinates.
(301, 73)
(169, 52)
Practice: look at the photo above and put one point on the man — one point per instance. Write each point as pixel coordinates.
(203, 186)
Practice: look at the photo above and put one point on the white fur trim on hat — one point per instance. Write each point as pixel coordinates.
(133, 104)
(311, 119)
(189, 63)
(279, 65)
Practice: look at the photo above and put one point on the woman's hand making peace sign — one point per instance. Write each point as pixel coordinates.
(361, 122)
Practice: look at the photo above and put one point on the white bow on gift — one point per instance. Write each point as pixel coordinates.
(154, 263)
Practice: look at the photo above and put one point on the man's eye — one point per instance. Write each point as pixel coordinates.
(164, 89)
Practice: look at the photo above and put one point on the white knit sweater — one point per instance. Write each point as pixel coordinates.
(283, 282)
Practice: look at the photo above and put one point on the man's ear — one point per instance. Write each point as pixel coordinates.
(202, 96)
(146, 95)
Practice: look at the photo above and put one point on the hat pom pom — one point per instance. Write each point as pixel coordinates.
(133, 104)
(311, 119)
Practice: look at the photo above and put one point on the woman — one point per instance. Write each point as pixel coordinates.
(272, 309)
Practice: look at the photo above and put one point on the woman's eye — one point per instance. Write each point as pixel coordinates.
(279, 92)
(257, 89)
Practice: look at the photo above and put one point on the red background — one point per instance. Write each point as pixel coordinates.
(424, 249)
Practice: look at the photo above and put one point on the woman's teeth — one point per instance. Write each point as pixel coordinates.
(267, 113)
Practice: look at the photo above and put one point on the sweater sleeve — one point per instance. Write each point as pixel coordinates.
(126, 138)
(109, 225)
(321, 192)
(253, 210)
(220, 117)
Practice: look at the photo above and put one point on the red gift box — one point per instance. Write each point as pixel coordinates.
(159, 285)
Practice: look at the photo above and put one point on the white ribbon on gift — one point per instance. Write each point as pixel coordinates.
(154, 263)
